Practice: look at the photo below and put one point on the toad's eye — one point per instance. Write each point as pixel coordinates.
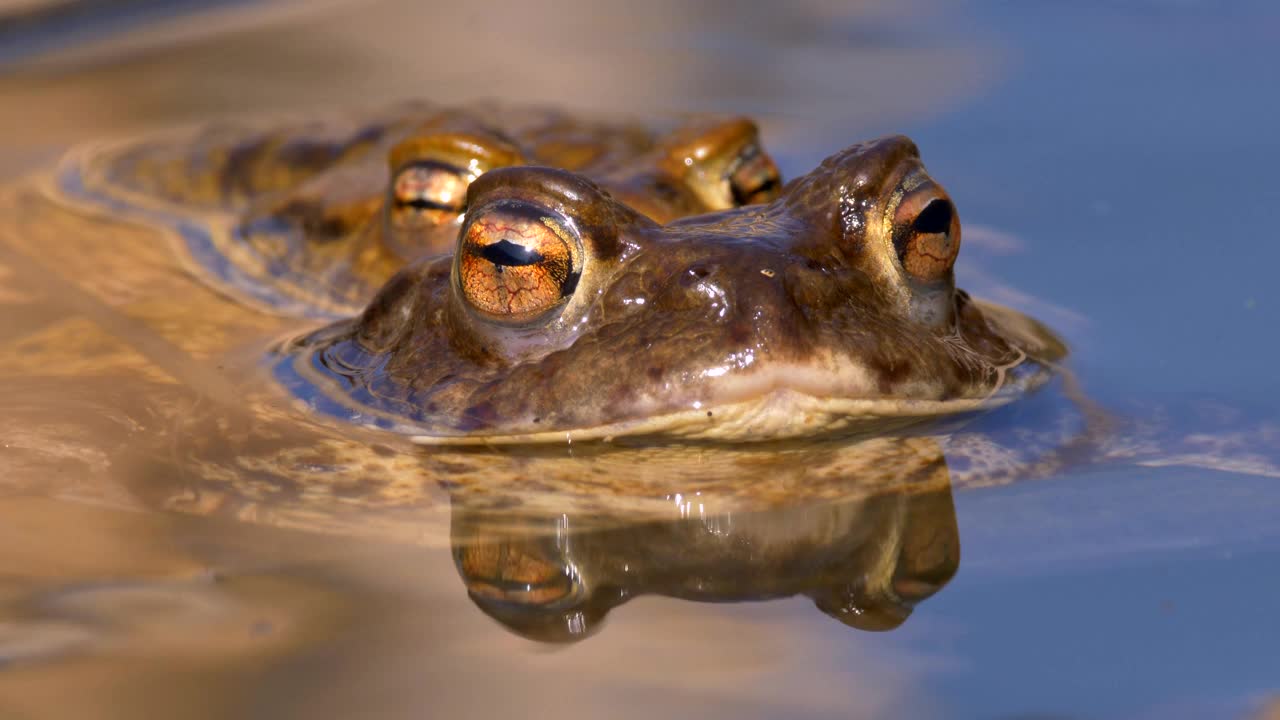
(428, 193)
(513, 572)
(517, 261)
(721, 163)
(926, 233)
(753, 178)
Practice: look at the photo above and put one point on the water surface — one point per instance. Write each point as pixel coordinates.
(1112, 164)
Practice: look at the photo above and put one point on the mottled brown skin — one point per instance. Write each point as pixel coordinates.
(865, 562)
(311, 219)
(806, 294)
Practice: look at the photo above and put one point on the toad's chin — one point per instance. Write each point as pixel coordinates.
(791, 402)
(779, 415)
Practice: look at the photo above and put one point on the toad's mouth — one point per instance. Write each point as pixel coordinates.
(783, 402)
(779, 414)
(792, 403)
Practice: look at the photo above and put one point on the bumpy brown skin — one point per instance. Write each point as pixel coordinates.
(309, 218)
(802, 294)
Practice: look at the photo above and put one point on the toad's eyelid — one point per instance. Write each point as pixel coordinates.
(555, 227)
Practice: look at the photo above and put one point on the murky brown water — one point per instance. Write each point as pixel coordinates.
(157, 560)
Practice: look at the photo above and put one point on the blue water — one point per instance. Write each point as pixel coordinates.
(1131, 146)
(41, 30)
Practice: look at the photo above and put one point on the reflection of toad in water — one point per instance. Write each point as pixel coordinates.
(865, 560)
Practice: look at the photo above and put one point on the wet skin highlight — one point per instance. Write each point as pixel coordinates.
(830, 309)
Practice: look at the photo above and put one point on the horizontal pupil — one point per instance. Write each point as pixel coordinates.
(420, 203)
(935, 218)
(517, 586)
(750, 181)
(505, 253)
(769, 184)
